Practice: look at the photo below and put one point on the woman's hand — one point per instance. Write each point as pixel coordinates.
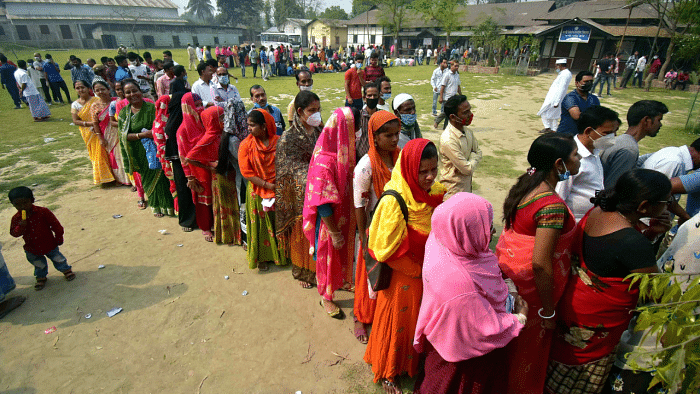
(213, 165)
(194, 185)
(338, 240)
(520, 305)
(103, 141)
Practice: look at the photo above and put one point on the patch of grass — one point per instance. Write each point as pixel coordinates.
(497, 166)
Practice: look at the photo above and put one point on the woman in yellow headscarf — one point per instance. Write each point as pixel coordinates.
(400, 243)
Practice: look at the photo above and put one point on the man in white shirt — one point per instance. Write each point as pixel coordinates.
(203, 86)
(639, 71)
(37, 105)
(199, 53)
(597, 127)
(550, 111)
(140, 72)
(428, 55)
(673, 161)
(436, 80)
(449, 86)
(222, 90)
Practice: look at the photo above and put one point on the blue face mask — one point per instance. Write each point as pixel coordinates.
(408, 119)
(184, 78)
(224, 80)
(566, 175)
(386, 96)
(256, 105)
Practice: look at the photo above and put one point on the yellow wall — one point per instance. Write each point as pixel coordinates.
(317, 30)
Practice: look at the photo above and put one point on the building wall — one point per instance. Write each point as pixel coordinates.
(318, 30)
(76, 10)
(90, 35)
(362, 35)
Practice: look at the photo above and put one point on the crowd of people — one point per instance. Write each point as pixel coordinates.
(351, 204)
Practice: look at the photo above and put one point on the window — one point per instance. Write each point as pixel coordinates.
(313, 39)
(65, 32)
(195, 41)
(2, 31)
(23, 32)
(176, 41)
(354, 38)
(44, 29)
(373, 39)
(216, 40)
(337, 40)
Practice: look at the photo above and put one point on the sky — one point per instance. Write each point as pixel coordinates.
(345, 4)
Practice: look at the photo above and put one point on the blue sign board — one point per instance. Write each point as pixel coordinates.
(575, 34)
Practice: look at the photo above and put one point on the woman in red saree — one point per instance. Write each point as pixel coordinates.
(209, 155)
(534, 251)
(159, 138)
(401, 245)
(198, 179)
(328, 220)
(597, 305)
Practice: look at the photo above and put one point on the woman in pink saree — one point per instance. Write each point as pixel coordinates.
(328, 216)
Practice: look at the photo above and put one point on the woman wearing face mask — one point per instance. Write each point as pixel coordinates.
(400, 243)
(294, 151)
(256, 158)
(329, 223)
(198, 179)
(405, 109)
(372, 172)
(533, 251)
(212, 156)
(597, 305)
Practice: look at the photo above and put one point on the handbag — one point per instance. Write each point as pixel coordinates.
(378, 273)
(150, 146)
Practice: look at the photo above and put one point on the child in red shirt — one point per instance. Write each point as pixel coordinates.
(42, 234)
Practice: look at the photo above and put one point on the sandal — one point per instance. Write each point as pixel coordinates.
(187, 229)
(40, 283)
(335, 314)
(361, 332)
(142, 204)
(69, 275)
(133, 189)
(349, 287)
(262, 266)
(305, 285)
(208, 236)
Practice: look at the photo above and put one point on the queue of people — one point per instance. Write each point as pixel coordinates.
(352, 203)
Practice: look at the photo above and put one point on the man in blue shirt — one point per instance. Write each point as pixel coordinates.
(259, 97)
(576, 102)
(7, 77)
(81, 72)
(123, 71)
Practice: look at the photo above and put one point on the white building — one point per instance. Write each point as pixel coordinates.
(295, 29)
(105, 24)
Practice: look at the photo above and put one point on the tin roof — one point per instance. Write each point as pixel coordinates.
(504, 14)
(601, 9)
(117, 3)
(614, 31)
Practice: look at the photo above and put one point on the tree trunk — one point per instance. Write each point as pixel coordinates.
(669, 54)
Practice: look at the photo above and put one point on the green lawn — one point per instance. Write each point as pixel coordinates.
(25, 159)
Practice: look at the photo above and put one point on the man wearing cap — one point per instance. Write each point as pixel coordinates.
(550, 111)
(405, 109)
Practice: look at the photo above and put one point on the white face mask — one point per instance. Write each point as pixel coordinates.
(306, 88)
(605, 141)
(314, 120)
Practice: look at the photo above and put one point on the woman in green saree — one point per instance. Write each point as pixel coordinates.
(135, 124)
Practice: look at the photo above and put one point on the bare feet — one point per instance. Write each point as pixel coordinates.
(391, 387)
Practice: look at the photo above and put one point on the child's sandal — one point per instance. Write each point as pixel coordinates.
(40, 283)
(69, 275)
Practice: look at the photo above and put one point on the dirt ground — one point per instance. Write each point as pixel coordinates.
(184, 328)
